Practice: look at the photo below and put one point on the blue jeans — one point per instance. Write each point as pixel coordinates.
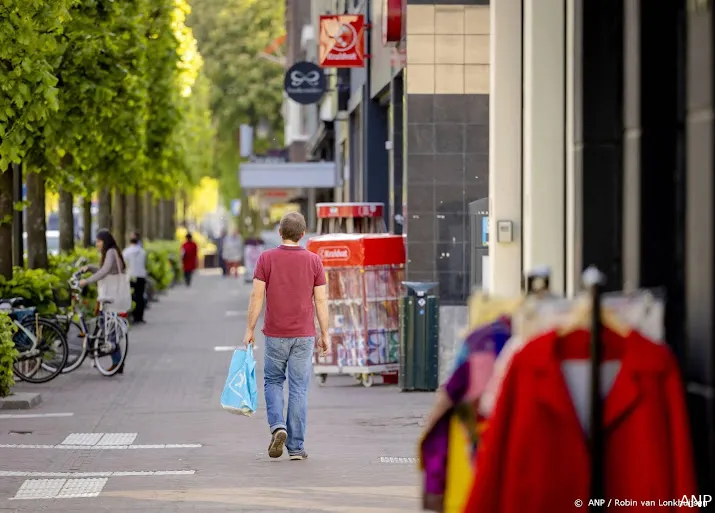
(296, 356)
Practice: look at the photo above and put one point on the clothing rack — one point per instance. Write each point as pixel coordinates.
(593, 280)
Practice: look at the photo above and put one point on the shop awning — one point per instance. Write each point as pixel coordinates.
(287, 175)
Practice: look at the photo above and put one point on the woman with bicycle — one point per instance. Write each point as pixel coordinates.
(109, 279)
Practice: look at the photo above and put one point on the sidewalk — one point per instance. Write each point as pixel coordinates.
(193, 456)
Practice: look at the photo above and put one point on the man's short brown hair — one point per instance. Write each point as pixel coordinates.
(292, 226)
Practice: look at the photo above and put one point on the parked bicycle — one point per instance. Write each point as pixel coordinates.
(110, 333)
(40, 341)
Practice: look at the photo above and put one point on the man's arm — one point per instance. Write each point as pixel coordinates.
(255, 305)
(320, 293)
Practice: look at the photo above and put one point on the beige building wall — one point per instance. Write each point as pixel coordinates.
(531, 177)
(447, 49)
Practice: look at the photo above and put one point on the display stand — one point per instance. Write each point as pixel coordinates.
(350, 218)
(364, 274)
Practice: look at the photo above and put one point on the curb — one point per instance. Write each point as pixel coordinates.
(20, 401)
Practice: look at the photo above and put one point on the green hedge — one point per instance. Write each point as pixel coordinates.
(48, 290)
(8, 353)
(163, 262)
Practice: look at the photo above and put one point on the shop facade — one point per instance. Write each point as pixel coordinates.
(602, 154)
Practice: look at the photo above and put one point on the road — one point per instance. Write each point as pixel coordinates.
(156, 439)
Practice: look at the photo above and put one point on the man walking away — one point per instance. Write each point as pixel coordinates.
(189, 258)
(135, 257)
(289, 277)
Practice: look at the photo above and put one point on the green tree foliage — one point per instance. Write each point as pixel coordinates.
(29, 31)
(101, 94)
(246, 89)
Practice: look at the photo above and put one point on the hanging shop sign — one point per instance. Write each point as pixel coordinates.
(305, 83)
(392, 19)
(342, 41)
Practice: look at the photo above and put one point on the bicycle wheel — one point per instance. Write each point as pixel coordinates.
(112, 347)
(52, 344)
(77, 349)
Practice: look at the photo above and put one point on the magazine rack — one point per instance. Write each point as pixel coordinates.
(364, 274)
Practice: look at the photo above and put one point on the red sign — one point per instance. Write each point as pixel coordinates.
(334, 253)
(392, 16)
(342, 41)
(329, 210)
(358, 250)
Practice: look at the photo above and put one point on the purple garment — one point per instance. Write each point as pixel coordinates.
(435, 446)
(458, 383)
(491, 337)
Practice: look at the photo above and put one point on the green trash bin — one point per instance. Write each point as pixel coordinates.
(419, 340)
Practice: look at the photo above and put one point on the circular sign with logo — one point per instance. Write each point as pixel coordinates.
(305, 83)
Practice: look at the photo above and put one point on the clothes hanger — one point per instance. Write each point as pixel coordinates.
(581, 319)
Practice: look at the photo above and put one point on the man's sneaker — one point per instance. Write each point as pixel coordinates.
(302, 455)
(278, 440)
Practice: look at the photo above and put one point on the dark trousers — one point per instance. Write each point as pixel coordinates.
(138, 298)
(187, 277)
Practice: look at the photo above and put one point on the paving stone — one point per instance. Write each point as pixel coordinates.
(362, 441)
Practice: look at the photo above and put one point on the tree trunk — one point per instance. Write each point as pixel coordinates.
(185, 209)
(66, 221)
(168, 219)
(36, 222)
(155, 219)
(146, 216)
(6, 210)
(87, 222)
(132, 215)
(104, 218)
(120, 219)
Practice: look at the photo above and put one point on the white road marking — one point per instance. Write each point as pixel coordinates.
(34, 415)
(60, 488)
(141, 473)
(399, 461)
(233, 313)
(103, 439)
(220, 349)
(118, 439)
(224, 349)
(100, 447)
(83, 439)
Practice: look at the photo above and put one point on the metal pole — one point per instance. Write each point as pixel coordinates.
(18, 257)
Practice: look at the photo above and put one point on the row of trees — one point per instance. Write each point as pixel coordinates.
(246, 89)
(105, 99)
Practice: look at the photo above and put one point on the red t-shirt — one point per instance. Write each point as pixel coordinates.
(290, 273)
(190, 256)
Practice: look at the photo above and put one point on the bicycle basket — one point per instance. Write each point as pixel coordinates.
(20, 313)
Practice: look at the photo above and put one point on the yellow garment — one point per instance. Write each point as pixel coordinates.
(459, 467)
(485, 310)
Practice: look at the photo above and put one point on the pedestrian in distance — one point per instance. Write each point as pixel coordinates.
(189, 258)
(135, 257)
(290, 279)
(232, 252)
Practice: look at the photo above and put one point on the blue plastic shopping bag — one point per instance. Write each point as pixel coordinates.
(240, 394)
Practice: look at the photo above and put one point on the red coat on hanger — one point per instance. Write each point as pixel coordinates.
(534, 456)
